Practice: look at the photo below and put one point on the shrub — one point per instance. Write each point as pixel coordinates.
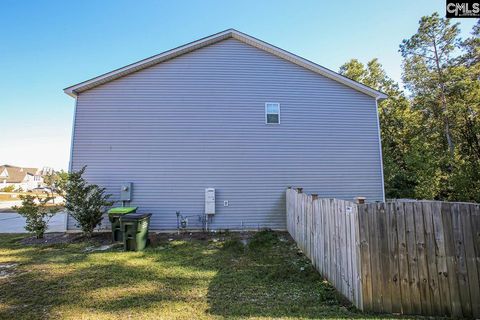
(36, 213)
(234, 246)
(56, 181)
(85, 202)
(9, 188)
(263, 239)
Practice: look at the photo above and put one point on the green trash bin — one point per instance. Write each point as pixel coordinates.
(135, 231)
(114, 215)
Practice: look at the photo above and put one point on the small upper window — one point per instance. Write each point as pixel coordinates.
(272, 113)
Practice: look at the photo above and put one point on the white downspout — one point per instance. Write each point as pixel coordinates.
(70, 162)
(380, 149)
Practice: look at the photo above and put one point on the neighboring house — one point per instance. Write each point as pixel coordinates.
(232, 113)
(24, 179)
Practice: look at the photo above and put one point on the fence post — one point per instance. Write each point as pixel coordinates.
(360, 200)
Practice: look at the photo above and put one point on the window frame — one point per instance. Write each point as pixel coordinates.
(266, 113)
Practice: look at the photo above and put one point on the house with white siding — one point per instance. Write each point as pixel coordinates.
(233, 113)
(20, 178)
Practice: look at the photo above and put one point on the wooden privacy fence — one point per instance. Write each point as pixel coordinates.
(399, 257)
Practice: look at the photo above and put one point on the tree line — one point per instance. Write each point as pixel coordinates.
(431, 129)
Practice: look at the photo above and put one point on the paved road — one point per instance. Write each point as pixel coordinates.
(6, 206)
(12, 222)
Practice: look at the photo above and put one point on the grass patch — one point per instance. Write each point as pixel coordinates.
(234, 246)
(264, 239)
(179, 279)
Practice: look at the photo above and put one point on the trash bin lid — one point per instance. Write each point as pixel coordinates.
(136, 216)
(122, 210)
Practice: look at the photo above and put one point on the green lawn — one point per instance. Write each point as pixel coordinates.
(179, 279)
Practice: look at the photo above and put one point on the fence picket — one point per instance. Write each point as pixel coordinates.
(422, 264)
(357, 260)
(384, 258)
(343, 248)
(447, 209)
(460, 264)
(403, 260)
(440, 253)
(393, 272)
(433, 282)
(412, 259)
(365, 265)
(470, 257)
(373, 225)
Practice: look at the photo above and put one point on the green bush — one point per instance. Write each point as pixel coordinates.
(56, 181)
(36, 213)
(9, 188)
(85, 202)
(263, 239)
(234, 246)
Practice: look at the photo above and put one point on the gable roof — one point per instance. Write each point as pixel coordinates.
(230, 33)
(16, 174)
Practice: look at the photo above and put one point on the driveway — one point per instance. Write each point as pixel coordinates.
(12, 222)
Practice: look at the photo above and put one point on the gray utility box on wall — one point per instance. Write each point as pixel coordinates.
(210, 201)
(126, 191)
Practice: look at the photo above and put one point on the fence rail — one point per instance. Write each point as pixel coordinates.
(400, 257)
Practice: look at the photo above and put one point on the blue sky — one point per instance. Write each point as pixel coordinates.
(46, 46)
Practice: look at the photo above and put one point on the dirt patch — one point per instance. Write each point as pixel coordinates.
(7, 269)
(105, 238)
(103, 247)
(244, 237)
(102, 238)
(183, 236)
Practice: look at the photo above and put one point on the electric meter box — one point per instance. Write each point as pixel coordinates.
(126, 191)
(210, 201)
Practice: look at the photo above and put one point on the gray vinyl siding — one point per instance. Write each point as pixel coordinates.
(198, 121)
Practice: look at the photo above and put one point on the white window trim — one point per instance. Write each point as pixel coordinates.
(279, 117)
